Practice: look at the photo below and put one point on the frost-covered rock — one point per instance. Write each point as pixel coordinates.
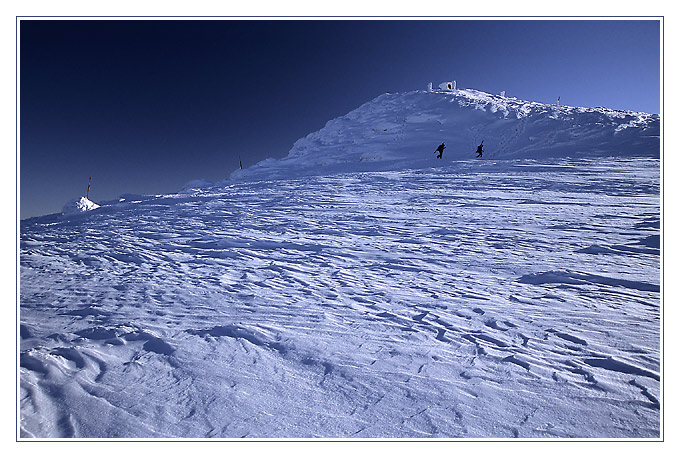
(79, 205)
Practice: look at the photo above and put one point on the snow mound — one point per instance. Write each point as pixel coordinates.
(401, 131)
(79, 205)
(197, 184)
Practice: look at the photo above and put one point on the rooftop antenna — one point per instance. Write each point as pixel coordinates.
(87, 196)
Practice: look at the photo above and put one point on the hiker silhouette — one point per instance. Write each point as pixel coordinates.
(440, 149)
(480, 149)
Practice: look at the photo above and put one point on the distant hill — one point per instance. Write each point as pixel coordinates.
(402, 130)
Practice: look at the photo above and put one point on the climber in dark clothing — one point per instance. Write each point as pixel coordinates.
(480, 149)
(440, 149)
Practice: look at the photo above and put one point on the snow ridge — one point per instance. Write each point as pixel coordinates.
(400, 131)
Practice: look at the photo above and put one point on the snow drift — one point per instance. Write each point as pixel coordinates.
(79, 205)
(400, 131)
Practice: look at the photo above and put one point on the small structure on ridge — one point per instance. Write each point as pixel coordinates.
(448, 85)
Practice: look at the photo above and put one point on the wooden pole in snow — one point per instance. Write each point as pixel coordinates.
(87, 196)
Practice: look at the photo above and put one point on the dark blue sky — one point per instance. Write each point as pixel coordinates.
(146, 106)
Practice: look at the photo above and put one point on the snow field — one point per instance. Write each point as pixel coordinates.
(481, 299)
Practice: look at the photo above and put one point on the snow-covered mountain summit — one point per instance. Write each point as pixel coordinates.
(399, 131)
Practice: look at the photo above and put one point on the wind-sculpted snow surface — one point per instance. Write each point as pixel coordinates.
(401, 131)
(483, 299)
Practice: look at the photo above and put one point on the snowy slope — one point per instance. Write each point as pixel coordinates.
(457, 298)
(509, 299)
(401, 131)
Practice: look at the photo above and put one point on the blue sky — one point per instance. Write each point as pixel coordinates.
(146, 106)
